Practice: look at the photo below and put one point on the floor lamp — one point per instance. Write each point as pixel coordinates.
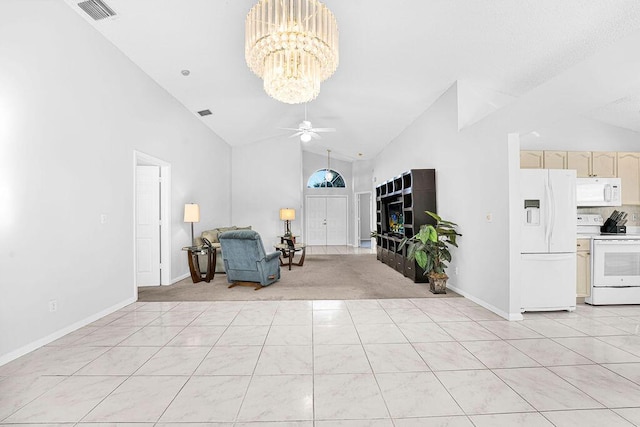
(192, 214)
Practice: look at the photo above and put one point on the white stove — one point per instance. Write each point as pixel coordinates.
(615, 263)
(588, 225)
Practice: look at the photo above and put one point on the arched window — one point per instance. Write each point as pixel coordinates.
(326, 178)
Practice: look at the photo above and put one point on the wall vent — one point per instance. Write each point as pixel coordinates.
(205, 113)
(97, 9)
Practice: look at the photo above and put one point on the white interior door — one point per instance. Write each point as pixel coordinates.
(336, 221)
(316, 221)
(148, 225)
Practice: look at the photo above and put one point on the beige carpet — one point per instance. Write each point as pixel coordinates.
(322, 277)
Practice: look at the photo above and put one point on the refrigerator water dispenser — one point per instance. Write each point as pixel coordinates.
(532, 209)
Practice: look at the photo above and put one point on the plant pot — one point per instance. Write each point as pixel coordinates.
(438, 283)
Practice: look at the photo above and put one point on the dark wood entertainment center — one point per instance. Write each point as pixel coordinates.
(411, 194)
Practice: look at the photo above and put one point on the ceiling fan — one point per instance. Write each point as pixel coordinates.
(306, 131)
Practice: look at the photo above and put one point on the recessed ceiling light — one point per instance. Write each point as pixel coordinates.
(185, 72)
(205, 113)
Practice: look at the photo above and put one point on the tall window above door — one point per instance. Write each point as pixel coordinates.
(326, 178)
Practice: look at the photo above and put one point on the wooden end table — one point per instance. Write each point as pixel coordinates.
(194, 264)
(289, 252)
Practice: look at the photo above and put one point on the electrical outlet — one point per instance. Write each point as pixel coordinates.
(53, 306)
(456, 271)
(634, 217)
(103, 218)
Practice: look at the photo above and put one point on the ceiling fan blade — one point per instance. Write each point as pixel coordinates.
(296, 129)
(315, 135)
(323, 130)
(296, 134)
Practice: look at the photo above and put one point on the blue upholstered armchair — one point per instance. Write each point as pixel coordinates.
(245, 259)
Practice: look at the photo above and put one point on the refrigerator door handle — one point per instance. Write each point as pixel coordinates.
(552, 219)
(547, 210)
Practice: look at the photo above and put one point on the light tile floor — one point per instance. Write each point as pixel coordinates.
(418, 362)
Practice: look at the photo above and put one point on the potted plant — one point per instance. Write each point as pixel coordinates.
(430, 249)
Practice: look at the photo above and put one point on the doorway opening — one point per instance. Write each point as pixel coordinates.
(151, 220)
(363, 219)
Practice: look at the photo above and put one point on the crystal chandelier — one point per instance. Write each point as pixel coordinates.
(293, 46)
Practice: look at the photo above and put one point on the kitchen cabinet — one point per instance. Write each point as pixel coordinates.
(531, 159)
(581, 162)
(629, 173)
(555, 160)
(604, 164)
(583, 262)
(601, 164)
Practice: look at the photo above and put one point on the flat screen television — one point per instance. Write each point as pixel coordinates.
(395, 219)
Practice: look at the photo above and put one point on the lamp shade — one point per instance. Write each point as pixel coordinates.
(287, 214)
(191, 212)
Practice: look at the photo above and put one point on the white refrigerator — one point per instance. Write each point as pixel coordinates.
(548, 254)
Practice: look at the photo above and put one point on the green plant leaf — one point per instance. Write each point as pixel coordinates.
(421, 259)
(433, 215)
(433, 234)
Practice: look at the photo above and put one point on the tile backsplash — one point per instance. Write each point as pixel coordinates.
(632, 210)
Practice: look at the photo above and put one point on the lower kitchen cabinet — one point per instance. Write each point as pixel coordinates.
(583, 276)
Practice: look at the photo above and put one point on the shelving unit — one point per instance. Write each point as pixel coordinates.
(415, 190)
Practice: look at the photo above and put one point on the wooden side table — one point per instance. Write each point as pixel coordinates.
(289, 252)
(194, 264)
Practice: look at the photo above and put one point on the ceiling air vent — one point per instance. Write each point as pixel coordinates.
(205, 113)
(97, 9)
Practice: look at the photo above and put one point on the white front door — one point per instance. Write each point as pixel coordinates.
(336, 221)
(316, 221)
(326, 220)
(148, 225)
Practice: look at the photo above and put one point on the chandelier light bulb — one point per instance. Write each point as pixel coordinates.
(305, 137)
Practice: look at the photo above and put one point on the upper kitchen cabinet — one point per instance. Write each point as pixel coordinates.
(602, 164)
(555, 160)
(629, 173)
(531, 159)
(581, 162)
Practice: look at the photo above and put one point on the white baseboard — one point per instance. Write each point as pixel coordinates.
(179, 278)
(6, 358)
(503, 314)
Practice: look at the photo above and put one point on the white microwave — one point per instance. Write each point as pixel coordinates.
(598, 192)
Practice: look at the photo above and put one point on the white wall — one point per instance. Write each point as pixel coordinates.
(363, 176)
(472, 181)
(72, 111)
(267, 176)
(582, 134)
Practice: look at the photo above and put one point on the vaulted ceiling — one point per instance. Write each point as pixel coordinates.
(396, 58)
